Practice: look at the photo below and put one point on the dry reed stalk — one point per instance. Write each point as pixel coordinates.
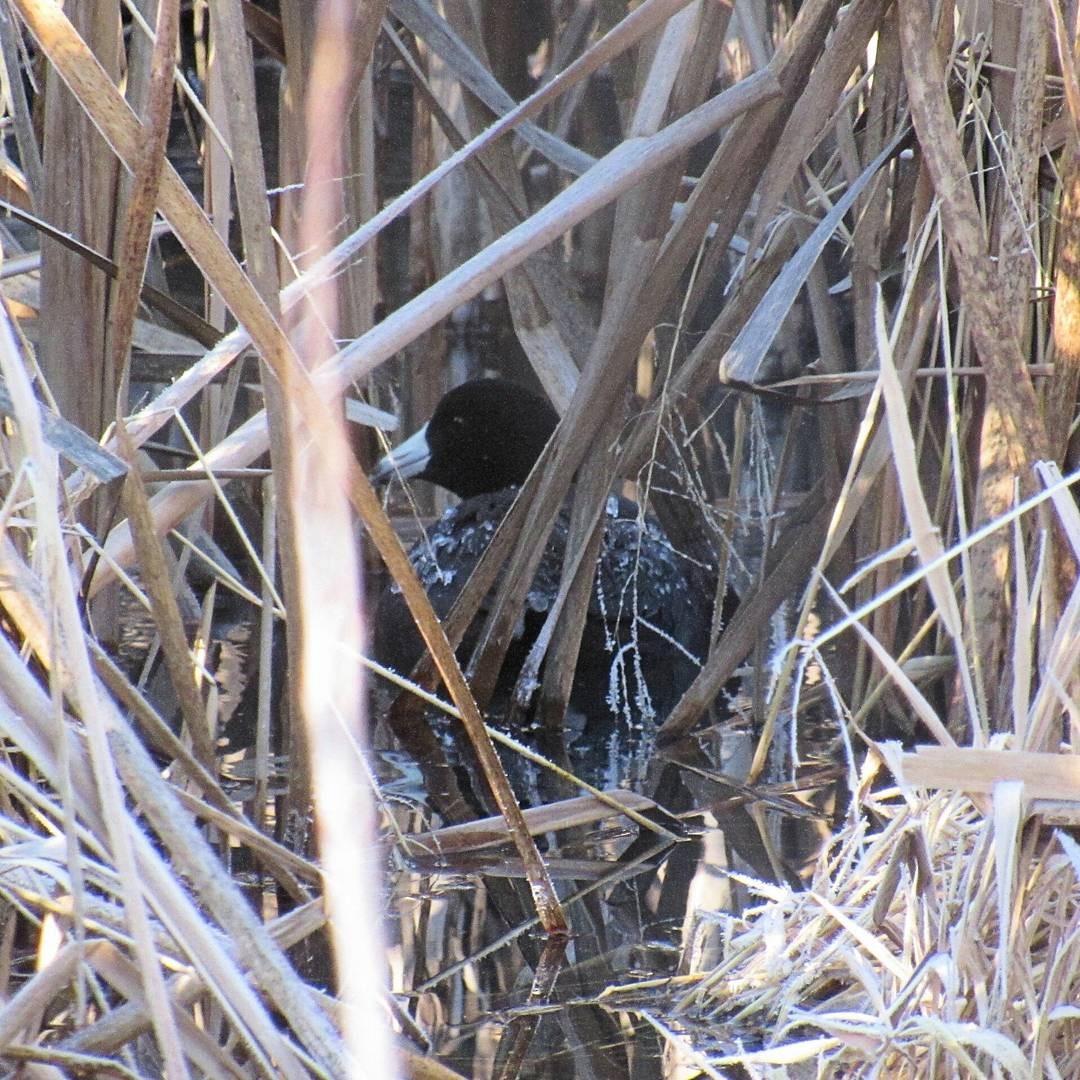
(154, 104)
(269, 681)
(1066, 380)
(567, 814)
(434, 637)
(161, 588)
(71, 288)
(330, 692)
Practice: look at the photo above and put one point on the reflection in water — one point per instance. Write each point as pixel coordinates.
(471, 967)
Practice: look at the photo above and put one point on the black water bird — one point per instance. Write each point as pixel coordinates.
(485, 435)
(644, 630)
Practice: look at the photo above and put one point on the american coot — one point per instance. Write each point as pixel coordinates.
(644, 631)
(485, 435)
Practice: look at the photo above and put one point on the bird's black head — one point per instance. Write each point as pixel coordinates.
(483, 436)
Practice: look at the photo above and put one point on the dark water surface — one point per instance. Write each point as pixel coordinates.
(471, 967)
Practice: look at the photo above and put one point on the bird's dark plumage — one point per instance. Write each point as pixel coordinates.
(644, 629)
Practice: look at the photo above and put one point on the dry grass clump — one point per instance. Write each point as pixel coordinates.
(938, 932)
(919, 948)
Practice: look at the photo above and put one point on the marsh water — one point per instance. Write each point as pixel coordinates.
(647, 911)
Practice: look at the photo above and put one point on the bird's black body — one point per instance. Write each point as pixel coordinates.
(644, 632)
(641, 620)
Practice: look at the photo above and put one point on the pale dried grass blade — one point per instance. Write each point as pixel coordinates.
(38, 991)
(566, 814)
(923, 709)
(328, 612)
(1025, 601)
(924, 533)
(67, 648)
(1008, 818)
(1050, 776)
